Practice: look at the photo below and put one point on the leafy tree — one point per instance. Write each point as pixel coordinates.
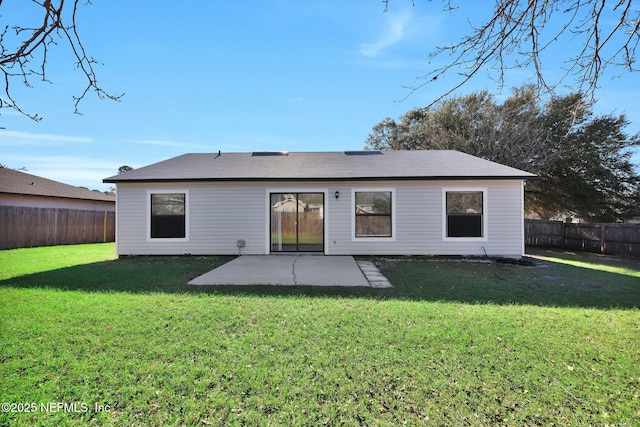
(25, 47)
(592, 174)
(583, 161)
(600, 36)
(124, 168)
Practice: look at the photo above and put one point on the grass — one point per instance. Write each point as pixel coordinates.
(20, 262)
(454, 343)
(593, 262)
(558, 278)
(95, 267)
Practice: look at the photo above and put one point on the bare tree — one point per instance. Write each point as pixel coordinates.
(601, 34)
(24, 50)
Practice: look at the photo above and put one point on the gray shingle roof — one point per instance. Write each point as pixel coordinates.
(321, 166)
(16, 182)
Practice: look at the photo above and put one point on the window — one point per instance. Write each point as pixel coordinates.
(168, 215)
(373, 214)
(464, 214)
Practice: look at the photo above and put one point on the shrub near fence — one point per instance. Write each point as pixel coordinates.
(25, 227)
(604, 238)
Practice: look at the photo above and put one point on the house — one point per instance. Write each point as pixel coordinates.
(333, 203)
(36, 211)
(290, 204)
(22, 189)
(633, 217)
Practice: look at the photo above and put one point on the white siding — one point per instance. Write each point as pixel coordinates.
(219, 215)
(222, 213)
(419, 225)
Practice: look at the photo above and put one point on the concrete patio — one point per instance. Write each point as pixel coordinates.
(295, 270)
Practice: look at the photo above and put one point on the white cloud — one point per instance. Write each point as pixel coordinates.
(393, 33)
(18, 138)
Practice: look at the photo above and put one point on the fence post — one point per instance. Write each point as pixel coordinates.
(603, 238)
(104, 228)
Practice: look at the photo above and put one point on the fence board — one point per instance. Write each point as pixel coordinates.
(307, 223)
(613, 238)
(25, 227)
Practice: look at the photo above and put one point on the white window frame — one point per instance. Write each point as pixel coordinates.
(391, 190)
(485, 214)
(186, 215)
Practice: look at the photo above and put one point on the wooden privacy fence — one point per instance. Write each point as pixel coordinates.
(25, 227)
(308, 223)
(601, 238)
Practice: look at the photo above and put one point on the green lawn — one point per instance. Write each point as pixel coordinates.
(453, 343)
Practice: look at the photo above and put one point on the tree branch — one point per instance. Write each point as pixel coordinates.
(519, 33)
(16, 60)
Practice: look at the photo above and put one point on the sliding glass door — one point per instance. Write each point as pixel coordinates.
(297, 222)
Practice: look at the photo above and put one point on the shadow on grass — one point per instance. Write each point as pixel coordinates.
(545, 283)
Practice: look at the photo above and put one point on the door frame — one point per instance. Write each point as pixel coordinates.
(295, 190)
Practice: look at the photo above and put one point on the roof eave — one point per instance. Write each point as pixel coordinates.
(325, 179)
(113, 200)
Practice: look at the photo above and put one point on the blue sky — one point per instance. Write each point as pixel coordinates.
(239, 76)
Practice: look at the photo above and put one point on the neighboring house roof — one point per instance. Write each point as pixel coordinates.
(321, 166)
(16, 182)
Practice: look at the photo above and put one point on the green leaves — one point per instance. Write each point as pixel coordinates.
(583, 161)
